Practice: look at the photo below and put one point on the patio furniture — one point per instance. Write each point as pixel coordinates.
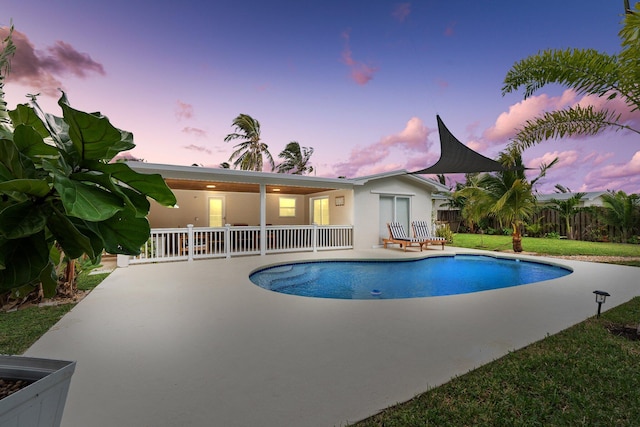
(200, 245)
(422, 231)
(399, 236)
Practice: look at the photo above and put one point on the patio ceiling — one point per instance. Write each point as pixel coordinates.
(238, 187)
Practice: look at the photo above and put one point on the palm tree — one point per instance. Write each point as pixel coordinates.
(622, 211)
(588, 72)
(567, 208)
(8, 49)
(472, 201)
(507, 195)
(250, 153)
(296, 159)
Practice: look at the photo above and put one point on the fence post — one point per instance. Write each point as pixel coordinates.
(314, 237)
(122, 260)
(227, 240)
(190, 241)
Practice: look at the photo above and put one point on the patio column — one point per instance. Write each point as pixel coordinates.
(263, 219)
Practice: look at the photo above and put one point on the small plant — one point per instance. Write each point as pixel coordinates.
(445, 231)
(552, 235)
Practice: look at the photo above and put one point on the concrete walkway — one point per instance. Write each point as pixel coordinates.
(197, 344)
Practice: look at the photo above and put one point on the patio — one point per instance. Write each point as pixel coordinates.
(198, 344)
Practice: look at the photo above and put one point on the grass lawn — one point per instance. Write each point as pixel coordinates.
(20, 329)
(583, 376)
(545, 246)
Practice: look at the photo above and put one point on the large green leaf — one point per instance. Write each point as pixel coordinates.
(124, 233)
(25, 115)
(86, 201)
(31, 144)
(32, 187)
(49, 280)
(91, 230)
(22, 219)
(130, 197)
(24, 259)
(153, 185)
(11, 159)
(72, 240)
(93, 136)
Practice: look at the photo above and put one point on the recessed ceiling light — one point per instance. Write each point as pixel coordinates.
(211, 186)
(276, 189)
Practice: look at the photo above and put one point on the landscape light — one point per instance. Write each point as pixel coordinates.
(601, 297)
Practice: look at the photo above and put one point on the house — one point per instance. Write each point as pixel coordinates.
(293, 212)
(593, 198)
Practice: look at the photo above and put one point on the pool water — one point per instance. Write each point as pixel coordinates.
(433, 276)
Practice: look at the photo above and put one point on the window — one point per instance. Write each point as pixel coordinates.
(287, 206)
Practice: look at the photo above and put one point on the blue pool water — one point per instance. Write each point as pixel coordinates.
(434, 276)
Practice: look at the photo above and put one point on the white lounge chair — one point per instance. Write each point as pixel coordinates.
(422, 231)
(398, 236)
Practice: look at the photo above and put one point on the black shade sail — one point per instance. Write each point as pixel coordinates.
(455, 157)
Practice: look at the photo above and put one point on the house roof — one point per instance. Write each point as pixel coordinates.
(198, 178)
(435, 185)
(588, 196)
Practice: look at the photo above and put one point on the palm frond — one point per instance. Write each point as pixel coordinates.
(568, 122)
(587, 71)
(6, 53)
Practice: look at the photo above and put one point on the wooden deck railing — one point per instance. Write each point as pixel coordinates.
(182, 244)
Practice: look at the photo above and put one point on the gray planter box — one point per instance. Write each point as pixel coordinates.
(41, 403)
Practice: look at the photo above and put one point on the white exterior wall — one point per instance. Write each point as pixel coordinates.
(367, 210)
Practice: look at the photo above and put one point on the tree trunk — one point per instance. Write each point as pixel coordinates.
(516, 239)
(517, 243)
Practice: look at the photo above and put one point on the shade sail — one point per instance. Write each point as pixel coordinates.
(455, 157)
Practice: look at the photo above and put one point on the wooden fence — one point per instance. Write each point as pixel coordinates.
(587, 225)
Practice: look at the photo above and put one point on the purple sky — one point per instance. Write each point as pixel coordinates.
(359, 81)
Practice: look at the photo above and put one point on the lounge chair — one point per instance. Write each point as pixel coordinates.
(399, 236)
(422, 231)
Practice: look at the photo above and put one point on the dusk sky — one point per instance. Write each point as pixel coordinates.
(359, 81)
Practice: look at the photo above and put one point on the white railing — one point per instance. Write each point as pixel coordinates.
(178, 244)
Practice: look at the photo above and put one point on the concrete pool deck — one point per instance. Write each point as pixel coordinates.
(197, 344)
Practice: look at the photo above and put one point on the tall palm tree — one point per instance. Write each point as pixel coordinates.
(8, 49)
(250, 153)
(296, 159)
(588, 72)
(567, 208)
(622, 211)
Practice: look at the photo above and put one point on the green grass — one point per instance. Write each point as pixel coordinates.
(583, 376)
(20, 329)
(545, 246)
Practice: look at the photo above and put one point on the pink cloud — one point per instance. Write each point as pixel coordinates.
(183, 110)
(36, 69)
(631, 168)
(401, 12)
(195, 132)
(507, 123)
(412, 141)
(565, 159)
(360, 73)
(197, 148)
(597, 158)
(627, 116)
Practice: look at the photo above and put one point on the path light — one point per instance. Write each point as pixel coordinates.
(601, 297)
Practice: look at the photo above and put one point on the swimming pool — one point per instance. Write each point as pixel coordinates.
(394, 279)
